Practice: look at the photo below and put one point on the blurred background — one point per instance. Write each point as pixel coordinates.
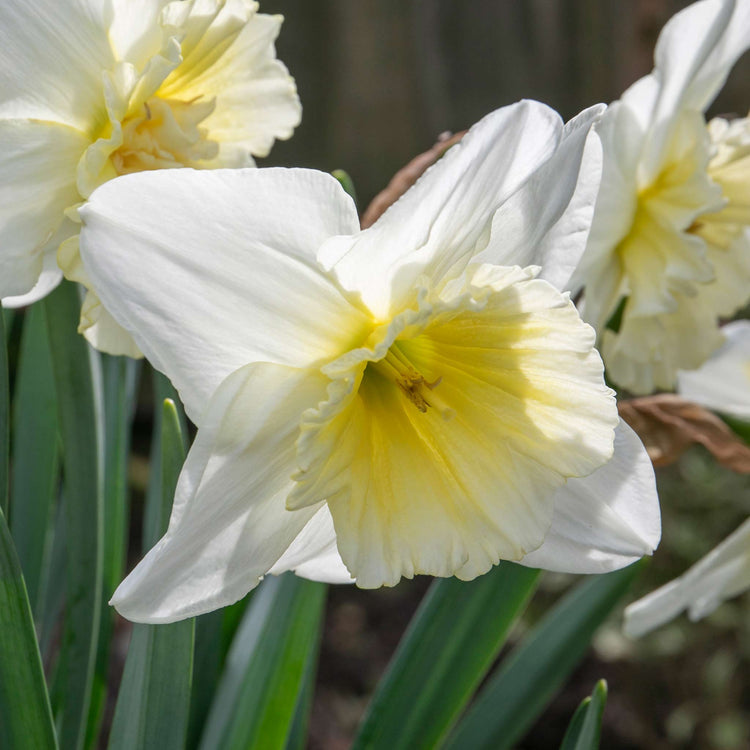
(380, 80)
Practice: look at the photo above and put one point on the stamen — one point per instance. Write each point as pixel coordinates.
(396, 367)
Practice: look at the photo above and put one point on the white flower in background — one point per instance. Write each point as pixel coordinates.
(721, 574)
(723, 382)
(412, 398)
(669, 239)
(91, 90)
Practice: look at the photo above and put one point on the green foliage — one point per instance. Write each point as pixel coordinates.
(346, 182)
(451, 643)
(273, 652)
(35, 453)
(154, 700)
(585, 727)
(531, 675)
(25, 713)
(79, 391)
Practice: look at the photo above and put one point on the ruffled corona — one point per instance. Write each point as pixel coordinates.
(474, 390)
(180, 84)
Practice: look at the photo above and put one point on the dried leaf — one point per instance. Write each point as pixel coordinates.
(668, 424)
(406, 177)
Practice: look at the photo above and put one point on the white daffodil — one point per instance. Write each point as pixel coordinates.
(414, 398)
(669, 245)
(90, 90)
(723, 382)
(721, 574)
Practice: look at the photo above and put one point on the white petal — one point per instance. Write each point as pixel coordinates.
(314, 554)
(103, 332)
(135, 32)
(546, 222)
(607, 520)
(445, 218)
(37, 183)
(722, 573)
(723, 382)
(50, 277)
(229, 522)
(52, 55)
(694, 54)
(212, 270)
(256, 98)
(696, 50)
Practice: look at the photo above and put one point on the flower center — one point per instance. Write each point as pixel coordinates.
(163, 134)
(396, 367)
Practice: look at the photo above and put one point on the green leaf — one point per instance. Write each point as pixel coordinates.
(585, 727)
(153, 516)
(35, 453)
(255, 704)
(214, 633)
(346, 182)
(449, 646)
(297, 737)
(740, 427)
(76, 367)
(531, 675)
(4, 418)
(25, 713)
(154, 700)
(120, 386)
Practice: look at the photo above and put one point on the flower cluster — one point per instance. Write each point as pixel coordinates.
(90, 91)
(419, 397)
(669, 249)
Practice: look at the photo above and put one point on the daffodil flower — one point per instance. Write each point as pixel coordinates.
(418, 397)
(669, 252)
(91, 90)
(723, 382)
(721, 574)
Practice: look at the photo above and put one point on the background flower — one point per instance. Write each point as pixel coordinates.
(723, 382)
(89, 91)
(668, 250)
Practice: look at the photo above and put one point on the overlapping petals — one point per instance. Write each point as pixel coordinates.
(397, 401)
(671, 217)
(723, 382)
(721, 574)
(90, 91)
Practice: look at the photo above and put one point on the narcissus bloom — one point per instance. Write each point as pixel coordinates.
(90, 90)
(418, 397)
(721, 574)
(669, 245)
(723, 382)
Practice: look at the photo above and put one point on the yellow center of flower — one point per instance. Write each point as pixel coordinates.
(164, 134)
(396, 367)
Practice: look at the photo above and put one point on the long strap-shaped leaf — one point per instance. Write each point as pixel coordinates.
(585, 727)
(78, 382)
(35, 453)
(4, 416)
(449, 646)
(535, 670)
(120, 382)
(25, 713)
(154, 701)
(254, 707)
